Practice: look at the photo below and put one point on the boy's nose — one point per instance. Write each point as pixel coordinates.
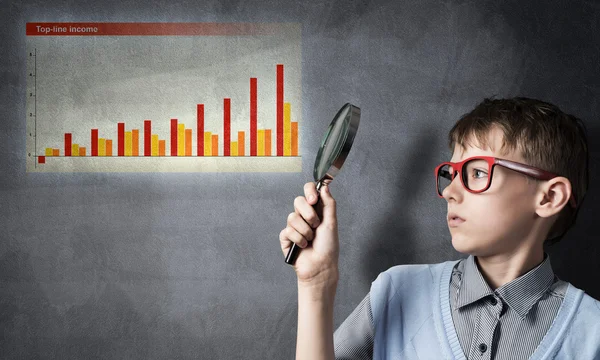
(453, 191)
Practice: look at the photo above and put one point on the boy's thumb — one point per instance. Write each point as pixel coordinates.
(328, 203)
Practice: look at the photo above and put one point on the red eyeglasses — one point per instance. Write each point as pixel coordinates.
(476, 174)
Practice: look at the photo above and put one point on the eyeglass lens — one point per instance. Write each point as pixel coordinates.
(475, 175)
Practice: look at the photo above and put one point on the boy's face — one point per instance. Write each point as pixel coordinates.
(498, 220)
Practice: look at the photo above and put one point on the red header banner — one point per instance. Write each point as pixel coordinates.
(120, 29)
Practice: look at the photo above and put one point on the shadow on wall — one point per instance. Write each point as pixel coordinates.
(393, 242)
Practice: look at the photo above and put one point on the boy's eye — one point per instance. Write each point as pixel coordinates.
(479, 174)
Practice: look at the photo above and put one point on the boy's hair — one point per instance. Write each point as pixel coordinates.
(546, 138)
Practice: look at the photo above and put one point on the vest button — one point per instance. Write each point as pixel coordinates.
(482, 347)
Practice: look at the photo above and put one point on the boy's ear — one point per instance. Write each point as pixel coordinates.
(553, 196)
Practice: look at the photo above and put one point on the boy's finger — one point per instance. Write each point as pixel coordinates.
(306, 211)
(310, 192)
(296, 222)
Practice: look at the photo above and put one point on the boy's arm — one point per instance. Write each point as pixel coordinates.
(313, 227)
(315, 320)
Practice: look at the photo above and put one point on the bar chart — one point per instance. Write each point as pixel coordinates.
(162, 97)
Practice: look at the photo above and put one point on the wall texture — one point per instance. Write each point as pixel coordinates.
(200, 273)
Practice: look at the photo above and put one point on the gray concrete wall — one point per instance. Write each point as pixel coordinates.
(188, 265)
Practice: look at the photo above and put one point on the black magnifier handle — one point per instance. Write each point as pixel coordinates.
(295, 249)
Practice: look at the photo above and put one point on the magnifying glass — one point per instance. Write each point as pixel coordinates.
(334, 149)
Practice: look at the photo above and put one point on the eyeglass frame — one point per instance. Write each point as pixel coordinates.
(528, 170)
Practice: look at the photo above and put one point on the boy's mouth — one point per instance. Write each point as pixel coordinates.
(454, 220)
(452, 216)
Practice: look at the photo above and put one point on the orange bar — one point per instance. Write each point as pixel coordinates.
(241, 145)
(95, 29)
(188, 142)
(108, 147)
(82, 151)
(295, 138)
(268, 142)
(161, 147)
(215, 145)
(55, 152)
(135, 140)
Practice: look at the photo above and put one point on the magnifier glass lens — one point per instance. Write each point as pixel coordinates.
(332, 143)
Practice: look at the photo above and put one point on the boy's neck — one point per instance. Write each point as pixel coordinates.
(500, 269)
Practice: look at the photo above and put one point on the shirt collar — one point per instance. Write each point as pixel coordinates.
(520, 294)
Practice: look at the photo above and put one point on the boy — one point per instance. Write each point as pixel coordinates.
(517, 177)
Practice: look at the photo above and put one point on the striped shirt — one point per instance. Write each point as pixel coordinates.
(508, 323)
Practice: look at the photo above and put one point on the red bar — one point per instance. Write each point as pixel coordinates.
(147, 138)
(68, 144)
(121, 140)
(227, 126)
(173, 137)
(200, 130)
(94, 142)
(41, 159)
(253, 87)
(95, 29)
(279, 109)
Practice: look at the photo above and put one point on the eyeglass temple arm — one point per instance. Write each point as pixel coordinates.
(533, 172)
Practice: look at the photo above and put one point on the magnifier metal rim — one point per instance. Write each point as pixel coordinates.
(336, 164)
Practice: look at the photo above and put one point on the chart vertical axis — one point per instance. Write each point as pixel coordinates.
(35, 102)
(32, 112)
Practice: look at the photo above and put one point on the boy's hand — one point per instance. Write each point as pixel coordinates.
(315, 231)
